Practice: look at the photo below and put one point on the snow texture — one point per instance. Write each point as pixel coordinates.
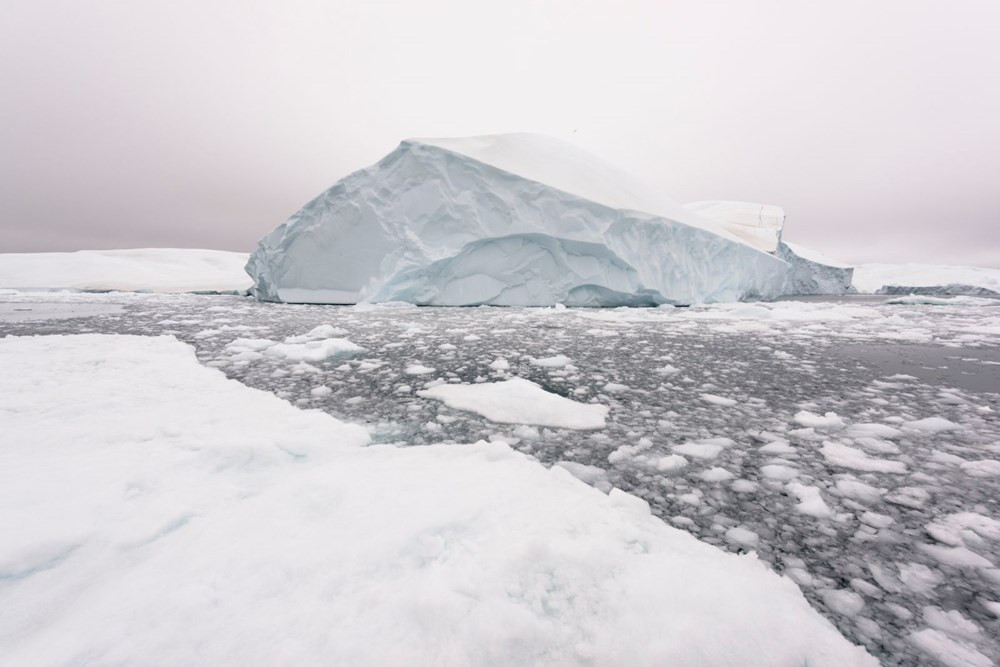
(505, 220)
(138, 270)
(156, 512)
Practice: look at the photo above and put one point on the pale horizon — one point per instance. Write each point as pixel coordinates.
(183, 125)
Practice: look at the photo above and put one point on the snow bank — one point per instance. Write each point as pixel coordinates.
(139, 270)
(869, 278)
(504, 220)
(156, 512)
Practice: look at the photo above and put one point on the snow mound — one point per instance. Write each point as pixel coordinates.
(139, 270)
(504, 220)
(250, 532)
(519, 401)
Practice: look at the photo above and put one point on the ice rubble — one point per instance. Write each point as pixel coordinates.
(520, 220)
(251, 532)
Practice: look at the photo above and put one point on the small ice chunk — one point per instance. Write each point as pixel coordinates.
(948, 651)
(744, 486)
(810, 500)
(855, 459)
(779, 472)
(872, 431)
(318, 333)
(828, 422)
(558, 361)
(858, 490)
(932, 425)
(518, 401)
(742, 536)
(909, 496)
(952, 623)
(919, 578)
(983, 468)
(955, 556)
(418, 369)
(319, 392)
(876, 520)
(843, 601)
(500, 364)
(671, 463)
(718, 400)
(314, 350)
(779, 446)
(717, 474)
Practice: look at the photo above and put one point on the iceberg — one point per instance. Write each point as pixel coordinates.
(516, 220)
(761, 225)
(926, 279)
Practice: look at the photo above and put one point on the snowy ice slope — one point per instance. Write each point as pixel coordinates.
(156, 512)
(868, 278)
(813, 273)
(436, 211)
(759, 225)
(135, 270)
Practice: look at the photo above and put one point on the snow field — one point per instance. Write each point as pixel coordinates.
(209, 522)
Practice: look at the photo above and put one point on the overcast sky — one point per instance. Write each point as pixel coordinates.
(206, 123)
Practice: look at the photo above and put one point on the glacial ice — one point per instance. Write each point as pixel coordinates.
(518, 220)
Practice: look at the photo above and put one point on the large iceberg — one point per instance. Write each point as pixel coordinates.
(761, 225)
(510, 220)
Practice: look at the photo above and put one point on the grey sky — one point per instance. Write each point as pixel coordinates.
(206, 123)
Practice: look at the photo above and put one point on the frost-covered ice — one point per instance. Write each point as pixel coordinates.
(138, 270)
(901, 541)
(519, 220)
(156, 512)
(519, 401)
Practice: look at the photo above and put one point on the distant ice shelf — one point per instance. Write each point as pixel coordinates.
(133, 270)
(524, 220)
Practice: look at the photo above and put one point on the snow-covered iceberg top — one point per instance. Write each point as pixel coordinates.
(511, 220)
(760, 225)
(252, 532)
(134, 270)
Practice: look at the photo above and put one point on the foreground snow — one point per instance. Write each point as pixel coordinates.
(157, 512)
(869, 278)
(137, 270)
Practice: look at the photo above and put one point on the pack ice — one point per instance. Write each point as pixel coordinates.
(523, 220)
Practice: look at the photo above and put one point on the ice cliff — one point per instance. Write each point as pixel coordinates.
(515, 220)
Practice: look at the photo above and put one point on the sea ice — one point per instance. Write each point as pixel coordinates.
(519, 401)
(155, 511)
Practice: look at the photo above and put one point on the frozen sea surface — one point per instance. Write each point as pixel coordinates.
(855, 445)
